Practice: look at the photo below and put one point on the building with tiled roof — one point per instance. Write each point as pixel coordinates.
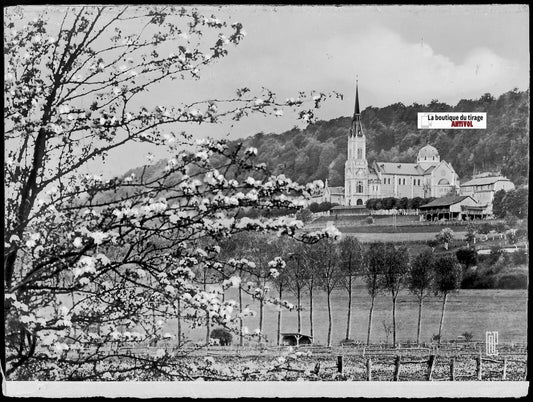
(456, 207)
(483, 188)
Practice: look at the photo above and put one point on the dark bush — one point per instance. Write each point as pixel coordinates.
(223, 335)
(512, 281)
(313, 207)
(467, 257)
(520, 257)
(432, 243)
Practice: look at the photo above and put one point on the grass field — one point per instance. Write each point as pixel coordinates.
(396, 237)
(470, 310)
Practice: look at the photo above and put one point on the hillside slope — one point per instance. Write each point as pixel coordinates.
(319, 151)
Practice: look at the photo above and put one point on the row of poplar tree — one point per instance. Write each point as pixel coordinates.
(330, 264)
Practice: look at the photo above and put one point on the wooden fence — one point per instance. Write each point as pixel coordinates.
(430, 363)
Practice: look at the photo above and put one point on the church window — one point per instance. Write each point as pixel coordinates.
(359, 201)
(359, 187)
(359, 153)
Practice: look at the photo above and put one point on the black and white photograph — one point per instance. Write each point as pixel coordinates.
(266, 200)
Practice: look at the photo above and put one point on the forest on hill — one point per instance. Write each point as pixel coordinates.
(319, 151)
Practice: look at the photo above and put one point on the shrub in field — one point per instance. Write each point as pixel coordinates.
(466, 256)
(512, 280)
(468, 336)
(520, 257)
(223, 335)
(445, 236)
(369, 220)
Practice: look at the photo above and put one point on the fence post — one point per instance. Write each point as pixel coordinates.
(369, 369)
(452, 369)
(504, 371)
(479, 368)
(397, 366)
(317, 368)
(431, 366)
(339, 364)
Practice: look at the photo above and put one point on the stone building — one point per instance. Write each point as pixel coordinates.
(429, 176)
(482, 189)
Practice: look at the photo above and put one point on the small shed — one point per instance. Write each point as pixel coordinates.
(456, 207)
(295, 339)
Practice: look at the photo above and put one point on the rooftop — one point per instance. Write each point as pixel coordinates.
(482, 181)
(445, 201)
(336, 190)
(400, 168)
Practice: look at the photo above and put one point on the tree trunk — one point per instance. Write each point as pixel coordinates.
(299, 309)
(442, 315)
(420, 300)
(311, 308)
(279, 314)
(207, 322)
(370, 321)
(179, 322)
(207, 328)
(394, 321)
(349, 319)
(329, 318)
(241, 339)
(261, 305)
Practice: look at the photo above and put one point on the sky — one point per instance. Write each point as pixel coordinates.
(399, 54)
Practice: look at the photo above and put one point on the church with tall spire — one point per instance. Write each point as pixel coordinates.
(360, 182)
(429, 176)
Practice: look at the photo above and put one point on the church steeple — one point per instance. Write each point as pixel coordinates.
(356, 130)
(356, 111)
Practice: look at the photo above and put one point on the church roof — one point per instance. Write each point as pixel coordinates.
(445, 201)
(336, 190)
(428, 151)
(412, 169)
(482, 181)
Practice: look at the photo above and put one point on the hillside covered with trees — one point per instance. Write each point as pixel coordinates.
(319, 151)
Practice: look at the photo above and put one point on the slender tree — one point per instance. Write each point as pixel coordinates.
(447, 280)
(310, 279)
(394, 271)
(280, 280)
(329, 274)
(372, 270)
(296, 274)
(261, 249)
(420, 281)
(351, 261)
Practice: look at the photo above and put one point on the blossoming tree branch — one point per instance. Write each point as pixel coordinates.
(91, 263)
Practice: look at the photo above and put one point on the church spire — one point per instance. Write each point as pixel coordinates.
(356, 130)
(356, 112)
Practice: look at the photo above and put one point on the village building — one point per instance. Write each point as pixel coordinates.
(457, 207)
(482, 188)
